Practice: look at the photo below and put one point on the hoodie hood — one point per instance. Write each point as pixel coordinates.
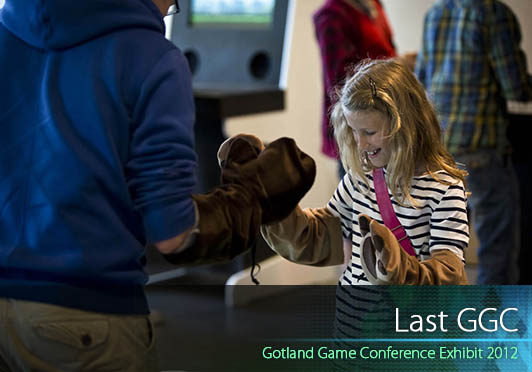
(62, 24)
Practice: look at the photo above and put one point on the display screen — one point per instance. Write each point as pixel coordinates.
(232, 13)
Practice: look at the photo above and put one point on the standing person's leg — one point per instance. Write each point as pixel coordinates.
(48, 338)
(494, 203)
(524, 176)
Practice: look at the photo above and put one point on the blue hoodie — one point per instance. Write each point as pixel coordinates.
(97, 150)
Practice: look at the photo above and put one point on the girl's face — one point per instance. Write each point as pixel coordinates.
(369, 129)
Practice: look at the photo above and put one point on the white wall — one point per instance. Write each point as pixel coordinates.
(301, 118)
(406, 18)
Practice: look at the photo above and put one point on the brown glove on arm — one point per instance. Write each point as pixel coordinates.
(385, 262)
(254, 180)
(308, 237)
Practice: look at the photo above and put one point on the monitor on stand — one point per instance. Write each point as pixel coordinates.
(238, 55)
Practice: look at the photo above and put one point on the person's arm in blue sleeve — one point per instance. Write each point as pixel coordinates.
(162, 161)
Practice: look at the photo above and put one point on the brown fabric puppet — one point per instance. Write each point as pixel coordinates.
(259, 185)
(307, 236)
(385, 262)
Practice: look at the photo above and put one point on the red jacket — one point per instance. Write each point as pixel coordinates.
(345, 37)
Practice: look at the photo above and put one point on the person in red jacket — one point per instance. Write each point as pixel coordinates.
(348, 31)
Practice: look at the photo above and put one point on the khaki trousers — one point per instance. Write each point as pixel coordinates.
(48, 338)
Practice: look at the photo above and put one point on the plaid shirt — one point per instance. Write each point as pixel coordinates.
(471, 64)
(347, 34)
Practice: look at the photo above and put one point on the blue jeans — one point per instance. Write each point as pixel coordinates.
(494, 202)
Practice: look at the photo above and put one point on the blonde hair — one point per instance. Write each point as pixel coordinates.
(413, 131)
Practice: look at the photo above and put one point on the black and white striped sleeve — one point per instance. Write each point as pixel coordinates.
(449, 228)
(341, 205)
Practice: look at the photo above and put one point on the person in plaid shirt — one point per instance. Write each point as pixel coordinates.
(471, 63)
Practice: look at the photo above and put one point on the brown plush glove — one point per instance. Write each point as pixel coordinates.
(280, 176)
(384, 261)
(256, 182)
(309, 237)
(238, 149)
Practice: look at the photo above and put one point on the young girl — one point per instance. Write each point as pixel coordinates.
(383, 120)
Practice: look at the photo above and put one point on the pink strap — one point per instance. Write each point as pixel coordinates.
(388, 215)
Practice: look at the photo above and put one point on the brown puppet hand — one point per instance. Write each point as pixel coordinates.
(279, 174)
(375, 253)
(259, 185)
(384, 261)
(238, 149)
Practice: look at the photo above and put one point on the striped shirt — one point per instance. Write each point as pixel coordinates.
(471, 63)
(438, 222)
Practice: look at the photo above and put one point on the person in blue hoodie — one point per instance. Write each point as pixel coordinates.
(97, 161)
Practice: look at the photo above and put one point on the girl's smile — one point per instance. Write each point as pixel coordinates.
(373, 154)
(369, 130)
